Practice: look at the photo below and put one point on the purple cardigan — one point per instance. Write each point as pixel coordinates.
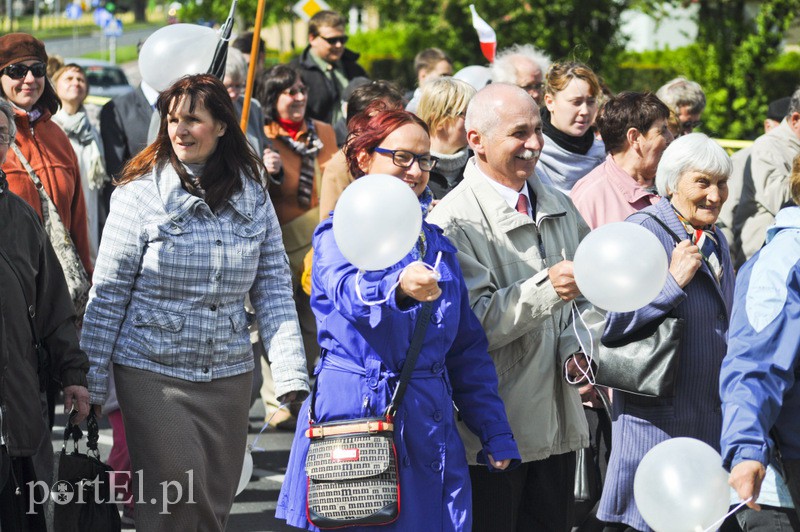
(640, 423)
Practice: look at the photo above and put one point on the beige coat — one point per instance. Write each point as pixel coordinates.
(770, 165)
(529, 327)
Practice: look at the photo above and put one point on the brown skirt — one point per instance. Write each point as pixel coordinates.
(187, 442)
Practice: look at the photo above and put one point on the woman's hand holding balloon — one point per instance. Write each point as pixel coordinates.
(746, 478)
(686, 260)
(418, 282)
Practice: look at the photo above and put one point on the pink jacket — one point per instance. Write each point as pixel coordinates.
(609, 194)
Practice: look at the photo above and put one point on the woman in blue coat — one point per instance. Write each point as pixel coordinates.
(364, 348)
(693, 172)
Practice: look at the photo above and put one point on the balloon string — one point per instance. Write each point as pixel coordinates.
(390, 293)
(588, 353)
(252, 447)
(724, 517)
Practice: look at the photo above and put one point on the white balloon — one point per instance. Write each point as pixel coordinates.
(476, 75)
(377, 221)
(247, 471)
(620, 267)
(175, 51)
(680, 486)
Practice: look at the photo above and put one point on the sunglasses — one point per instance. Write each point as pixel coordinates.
(333, 41)
(687, 127)
(19, 71)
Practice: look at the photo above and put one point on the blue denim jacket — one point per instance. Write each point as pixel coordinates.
(170, 282)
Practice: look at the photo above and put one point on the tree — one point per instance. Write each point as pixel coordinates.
(730, 58)
(565, 29)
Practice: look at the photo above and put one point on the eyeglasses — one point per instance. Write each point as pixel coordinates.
(533, 87)
(687, 127)
(294, 91)
(405, 159)
(19, 71)
(333, 41)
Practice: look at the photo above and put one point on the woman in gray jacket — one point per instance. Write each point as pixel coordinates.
(191, 232)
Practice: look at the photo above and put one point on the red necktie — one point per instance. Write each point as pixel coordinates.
(522, 204)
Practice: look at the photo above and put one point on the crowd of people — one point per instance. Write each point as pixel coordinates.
(217, 280)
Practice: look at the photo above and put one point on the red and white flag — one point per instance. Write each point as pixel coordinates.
(486, 35)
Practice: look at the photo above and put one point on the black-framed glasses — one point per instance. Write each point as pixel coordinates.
(690, 125)
(19, 71)
(294, 91)
(333, 41)
(405, 159)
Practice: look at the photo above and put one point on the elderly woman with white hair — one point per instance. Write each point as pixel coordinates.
(692, 176)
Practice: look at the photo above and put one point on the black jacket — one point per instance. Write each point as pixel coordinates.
(25, 243)
(323, 93)
(439, 185)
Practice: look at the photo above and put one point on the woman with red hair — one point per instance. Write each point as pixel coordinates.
(364, 347)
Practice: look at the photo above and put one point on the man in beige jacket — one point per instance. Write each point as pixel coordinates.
(516, 255)
(770, 166)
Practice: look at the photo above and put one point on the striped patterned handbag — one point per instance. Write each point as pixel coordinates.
(352, 464)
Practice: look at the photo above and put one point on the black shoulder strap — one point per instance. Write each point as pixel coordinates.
(665, 226)
(423, 318)
(420, 326)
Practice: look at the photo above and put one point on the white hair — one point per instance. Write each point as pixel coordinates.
(236, 65)
(694, 152)
(503, 69)
(681, 92)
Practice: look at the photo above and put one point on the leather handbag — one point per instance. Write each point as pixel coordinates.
(75, 274)
(646, 361)
(82, 492)
(352, 464)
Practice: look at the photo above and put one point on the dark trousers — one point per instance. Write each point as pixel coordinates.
(536, 496)
(14, 515)
(769, 519)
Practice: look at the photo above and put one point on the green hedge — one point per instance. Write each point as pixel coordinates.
(649, 70)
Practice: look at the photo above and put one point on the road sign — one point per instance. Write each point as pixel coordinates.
(73, 11)
(113, 28)
(102, 16)
(305, 9)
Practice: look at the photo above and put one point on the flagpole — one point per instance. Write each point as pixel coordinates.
(251, 71)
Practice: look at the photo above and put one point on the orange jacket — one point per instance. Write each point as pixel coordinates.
(284, 197)
(51, 156)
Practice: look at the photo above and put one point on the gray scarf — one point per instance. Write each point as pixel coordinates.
(80, 131)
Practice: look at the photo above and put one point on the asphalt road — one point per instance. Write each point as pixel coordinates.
(75, 47)
(254, 508)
